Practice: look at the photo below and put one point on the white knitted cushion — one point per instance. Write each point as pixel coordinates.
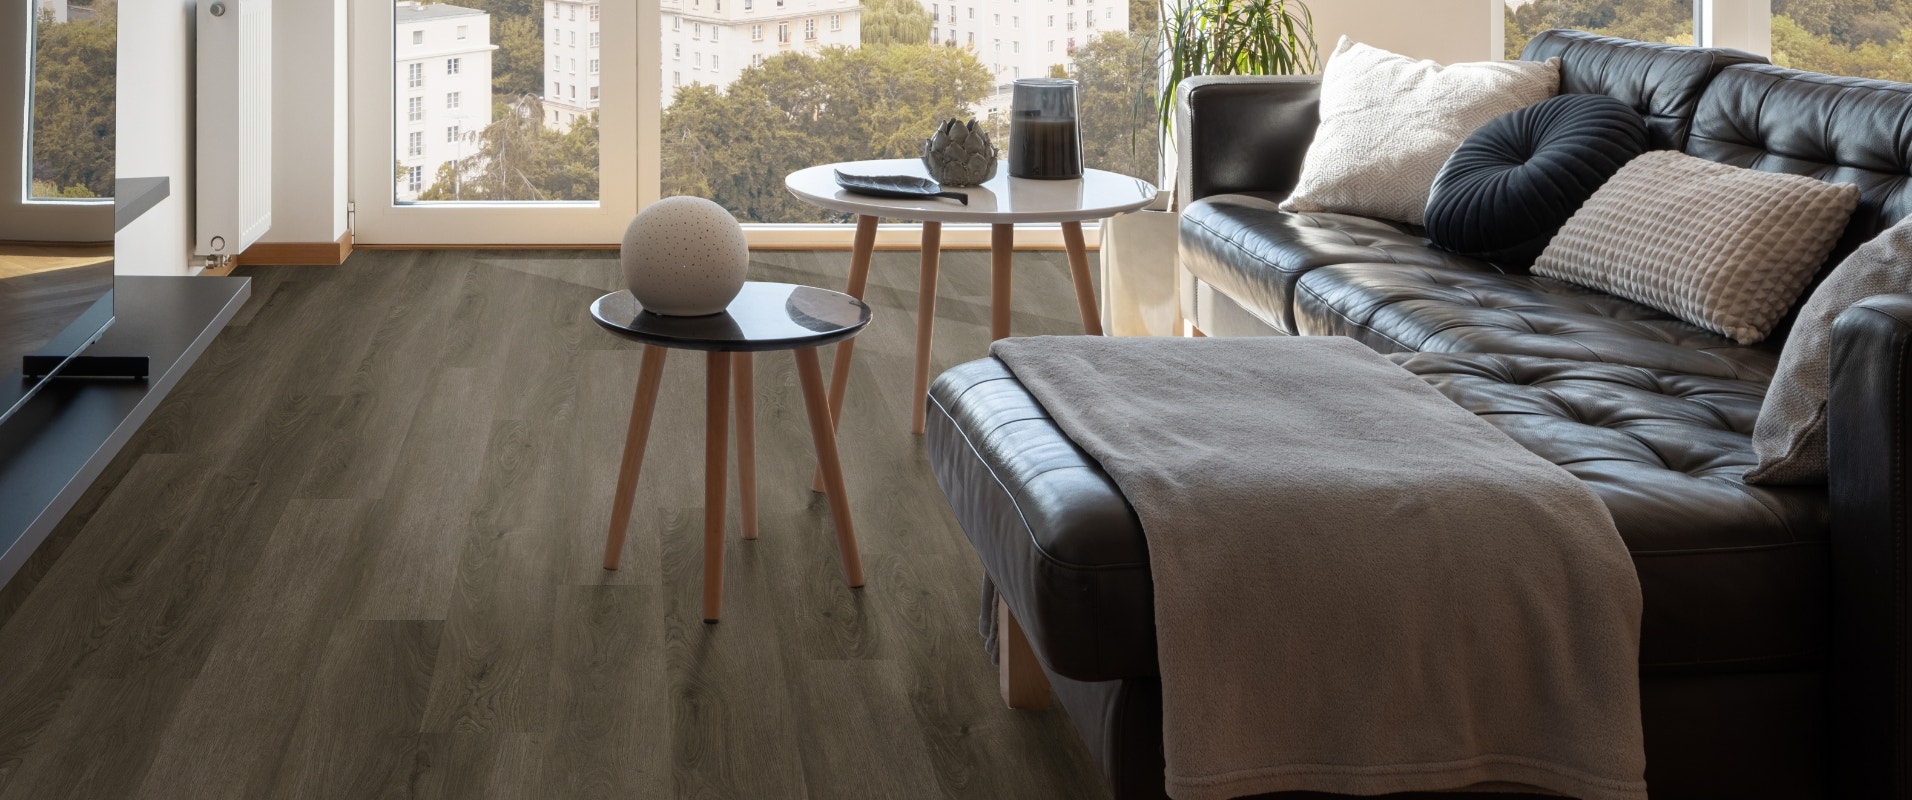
(1723, 247)
(1790, 436)
(1388, 123)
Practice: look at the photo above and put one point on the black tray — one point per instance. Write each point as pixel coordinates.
(904, 186)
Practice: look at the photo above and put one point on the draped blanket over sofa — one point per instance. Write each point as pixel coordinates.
(1776, 633)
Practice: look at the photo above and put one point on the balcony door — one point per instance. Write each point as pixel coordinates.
(501, 122)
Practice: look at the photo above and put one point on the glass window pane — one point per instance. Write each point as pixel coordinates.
(74, 64)
(1863, 38)
(757, 89)
(1669, 21)
(505, 120)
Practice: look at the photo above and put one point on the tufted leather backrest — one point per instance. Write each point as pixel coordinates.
(1842, 130)
(1663, 82)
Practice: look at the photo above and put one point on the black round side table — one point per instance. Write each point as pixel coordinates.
(765, 316)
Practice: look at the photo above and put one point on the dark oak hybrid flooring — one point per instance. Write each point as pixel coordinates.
(356, 555)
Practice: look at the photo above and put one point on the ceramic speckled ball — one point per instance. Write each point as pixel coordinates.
(684, 257)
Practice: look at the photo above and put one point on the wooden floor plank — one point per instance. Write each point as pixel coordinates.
(356, 554)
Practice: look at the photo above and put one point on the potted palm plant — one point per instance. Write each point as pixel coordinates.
(1196, 37)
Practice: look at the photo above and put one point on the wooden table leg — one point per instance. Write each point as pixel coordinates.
(861, 252)
(1079, 273)
(744, 376)
(716, 436)
(1002, 245)
(925, 319)
(810, 372)
(1019, 675)
(650, 376)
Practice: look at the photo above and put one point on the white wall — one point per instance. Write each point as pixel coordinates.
(1446, 31)
(155, 132)
(309, 134)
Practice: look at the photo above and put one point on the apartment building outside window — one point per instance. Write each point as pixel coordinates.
(452, 99)
(836, 22)
(452, 65)
(594, 66)
(415, 179)
(451, 133)
(415, 109)
(414, 75)
(809, 30)
(464, 31)
(594, 13)
(594, 34)
(415, 144)
(756, 33)
(696, 30)
(783, 32)
(418, 37)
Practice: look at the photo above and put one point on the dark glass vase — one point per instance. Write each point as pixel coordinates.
(1044, 140)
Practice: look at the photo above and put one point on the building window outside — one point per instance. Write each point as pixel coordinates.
(574, 91)
(594, 13)
(574, 13)
(418, 37)
(415, 179)
(809, 30)
(557, 62)
(972, 12)
(677, 23)
(677, 51)
(464, 31)
(594, 38)
(415, 109)
(972, 39)
(1015, 22)
(748, 4)
(713, 33)
(1015, 46)
(713, 61)
(574, 66)
(836, 22)
(756, 59)
(574, 38)
(1052, 20)
(452, 99)
(415, 144)
(677, 79)
(594, 94)
(451, 134)
(783, 32)
(696, 61)
(554, 10)
(556, 89)
(756, 33)
(697, 30)
(414, 75)
(1052, 46)
(452, 65)
(594, 66)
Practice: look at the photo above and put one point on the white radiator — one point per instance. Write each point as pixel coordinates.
(234, 188)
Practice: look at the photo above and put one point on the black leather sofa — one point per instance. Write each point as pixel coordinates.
(1776, 640)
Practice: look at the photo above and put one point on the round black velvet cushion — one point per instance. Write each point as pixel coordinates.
(1513, 183)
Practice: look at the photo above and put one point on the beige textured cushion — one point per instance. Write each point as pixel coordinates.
(1388, 123)
(1790, 436)
(1725, 248)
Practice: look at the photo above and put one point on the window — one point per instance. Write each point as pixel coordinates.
(414, 75)
(574, 91)
(756, 59)
(418, 37)
(1662, 20)
(415, 179)
(574, 38)
(594, 66)
(935, 34)
(677, 23)
(713, 61)
(809, 30)
(1015, 22)
(756, 33)
(554, 10)
(1052, 20)
(836, 22)
(464, 31)
(557, 62)
(1015, 47)
(677, 51)
(574, 13)
(415, 144)
(972, 12)
(996, 19)
(783, 31)
(451, 133)
(697, 30)
(1843, 37)
(677, 79)
(415, 109)
(452, 99)
(594, 94)
(972, 38)
(1051, 46)
(594, 13)
(594, 34)
(556, 89)
(713, 33)
(747, 4)
(574, 66)
(452, 65)
(696, 60)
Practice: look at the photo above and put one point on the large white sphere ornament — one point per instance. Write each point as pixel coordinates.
(684, 257)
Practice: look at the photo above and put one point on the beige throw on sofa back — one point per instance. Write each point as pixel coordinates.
(1360, 587)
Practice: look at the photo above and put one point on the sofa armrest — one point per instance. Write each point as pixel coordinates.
(1243, 133)
(1869, 409)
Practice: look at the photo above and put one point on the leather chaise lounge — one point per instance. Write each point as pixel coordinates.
(1775, 647)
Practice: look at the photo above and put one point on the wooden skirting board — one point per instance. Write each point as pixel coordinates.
(842, 246)
(296, 254)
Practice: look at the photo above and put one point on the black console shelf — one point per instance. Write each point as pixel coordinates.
(53, 447)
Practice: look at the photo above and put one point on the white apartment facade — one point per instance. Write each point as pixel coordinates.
(443, 89)
(711, 42)
(1023, 38)
(571, 62)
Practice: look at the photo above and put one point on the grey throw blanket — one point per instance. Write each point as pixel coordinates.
(1360, 587)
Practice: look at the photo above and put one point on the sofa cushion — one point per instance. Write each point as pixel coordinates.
(1733, 575)
(1242, 245)
(1510, 186)
(1839, 130)
(1661, 81)
(1395, 308)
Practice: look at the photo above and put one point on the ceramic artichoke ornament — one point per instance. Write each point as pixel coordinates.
(959, 154)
